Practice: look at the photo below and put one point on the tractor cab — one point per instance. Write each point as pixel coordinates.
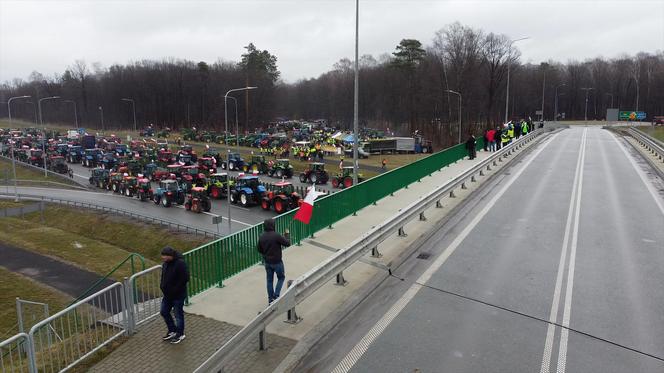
(209, 164)
(257, 164)
(122, 150)
(345, 178)
(57, 164)
(36, 157)
(175, 169)
(284, 187)
(197, 200)
(62, 149)
(217, 185)
(233, 162)
(315, 174)
(247, 191)
(282, 198)
(185, 158)
(169, 185)
(281, 168)
(92, 157)
(74, 154)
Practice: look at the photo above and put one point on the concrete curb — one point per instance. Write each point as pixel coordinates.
(319, 331)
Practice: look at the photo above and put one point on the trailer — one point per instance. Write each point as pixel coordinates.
(391, 145)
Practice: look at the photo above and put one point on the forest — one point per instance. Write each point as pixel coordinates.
(460, 72)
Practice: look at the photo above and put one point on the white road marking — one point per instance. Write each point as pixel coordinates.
(553, 315)
(648, 185)
(361, 347)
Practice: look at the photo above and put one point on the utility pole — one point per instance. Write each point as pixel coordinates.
(585, 112)
(356, 130)
(543, 87)
(555, 110)
(9, 113)
(507, 94)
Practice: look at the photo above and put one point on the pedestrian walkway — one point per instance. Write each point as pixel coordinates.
(146, 352)
(65, 277)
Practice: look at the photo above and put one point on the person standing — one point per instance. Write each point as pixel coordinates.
(470, 145)
(174, 278)
(270, 245)
(491, 139)
(383, 164)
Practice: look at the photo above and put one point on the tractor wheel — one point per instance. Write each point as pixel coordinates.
(270, 173)
(142, 197)
(196, 206)
(100, 184)
(223, 166)
(87, 163)
(114, 187)
(303, 178)
(265, 204)
(155, 199)
(231, 166)
(335, 182)
(207, 206)
(91, 181)
(232, 197)
(128, 192)
(165, 202)
(348, 182)
(279, 205)
(215, 193)
(313, 178)
(187, 206)
(244, 199)
(280, 173)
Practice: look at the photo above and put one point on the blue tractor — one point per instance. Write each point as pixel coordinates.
(92, 157)
(247, 191)
(233, 163)
(108, 161)
(122, 150)
(75, 154)
(167, 193)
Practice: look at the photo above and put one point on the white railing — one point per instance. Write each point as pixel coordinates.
(16, 354)
(144, 296)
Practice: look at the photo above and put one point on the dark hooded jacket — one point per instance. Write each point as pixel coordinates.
(270, 243)
(174, 277)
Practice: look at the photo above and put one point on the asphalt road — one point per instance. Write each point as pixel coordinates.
(556, 265)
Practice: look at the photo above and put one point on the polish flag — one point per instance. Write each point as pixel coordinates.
(307, 206)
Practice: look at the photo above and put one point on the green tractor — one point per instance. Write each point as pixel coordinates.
(257, 164)
(217, 186)
(280, 169)
(345, 178)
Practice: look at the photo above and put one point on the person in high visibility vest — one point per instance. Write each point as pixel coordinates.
(524, 128)
(510, 131)
(504, 137)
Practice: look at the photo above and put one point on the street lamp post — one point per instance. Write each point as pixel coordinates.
(9, 114)
(556, 102)
(237, 126)
(356, 125)
(41, 122)
(543, 87)
(507, 94)
(101, 113)
(228, 198)
(585, 112)
(75, 111)
(133, 107)
(460, 101)
(34, 107)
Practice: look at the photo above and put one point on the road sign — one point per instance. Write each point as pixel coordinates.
(217, 219)
(632, 115)
(538, 112)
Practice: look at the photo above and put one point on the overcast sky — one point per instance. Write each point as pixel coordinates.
(307, 36)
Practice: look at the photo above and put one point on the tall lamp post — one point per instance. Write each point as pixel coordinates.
(507, 94)
(133, 107)
(101, 113)
(556, 102)
(610, 94)
(237, 126)
(75, 111)
(9, 114)
(236, 135)
(356, 126)
(41, 122)
(34, 108)
(585, 112)
(460, 101)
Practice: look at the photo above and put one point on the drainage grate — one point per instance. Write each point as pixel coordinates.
(423, 256)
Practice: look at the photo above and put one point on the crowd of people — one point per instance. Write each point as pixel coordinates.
(501, 136)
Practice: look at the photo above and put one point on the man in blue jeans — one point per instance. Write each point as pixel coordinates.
(270, 244)
(174, 278)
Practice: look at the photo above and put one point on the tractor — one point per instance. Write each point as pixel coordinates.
(57, 164)
(36, 157)
(100, 177)
(198, 200)
(109, 160)
(207, 165)
(165, 157)
(144, 190)
(92, 157)
(187, 150)
(185, 159)
(167, 193)
(134, 167)
(75, 154)
(233, 163)
(129, 186)
(247, 191)
(280, 169)
(115, 182)
(217, 186)
(345, 178)
(257, 164)
(282, 199)
(315, 174)
(212, 153)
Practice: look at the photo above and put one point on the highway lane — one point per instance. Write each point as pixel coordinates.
(241, 217)
(569, 236)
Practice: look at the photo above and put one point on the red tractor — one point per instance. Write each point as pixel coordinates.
(197, 200)
(281, 199)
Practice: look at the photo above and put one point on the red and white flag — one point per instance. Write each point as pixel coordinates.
(307, 206)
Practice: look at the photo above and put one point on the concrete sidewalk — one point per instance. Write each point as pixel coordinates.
(244, 295)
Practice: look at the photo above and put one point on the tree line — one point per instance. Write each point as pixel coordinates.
(414, 87)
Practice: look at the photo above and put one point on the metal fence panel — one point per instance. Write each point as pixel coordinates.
(16, 354)
(143, 296)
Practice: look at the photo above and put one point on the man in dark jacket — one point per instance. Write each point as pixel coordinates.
(269, 245)
(470, 145)
(174, 278)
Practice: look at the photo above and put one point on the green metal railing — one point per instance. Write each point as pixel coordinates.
(129, 259)
(216, 261)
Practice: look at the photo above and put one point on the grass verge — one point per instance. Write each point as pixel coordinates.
(29, 177)
(656, 132)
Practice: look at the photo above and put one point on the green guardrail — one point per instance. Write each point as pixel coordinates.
(214, 262)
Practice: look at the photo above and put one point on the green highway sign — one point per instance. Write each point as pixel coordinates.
(632, 115)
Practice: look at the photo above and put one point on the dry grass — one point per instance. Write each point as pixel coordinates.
(656, 132)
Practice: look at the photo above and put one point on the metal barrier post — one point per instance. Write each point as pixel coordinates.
(375, 253)
(422, 217)
(130, 321)
(262, 340)
(439, 205)
(402, 233)
(292, 317)
(341, 281)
